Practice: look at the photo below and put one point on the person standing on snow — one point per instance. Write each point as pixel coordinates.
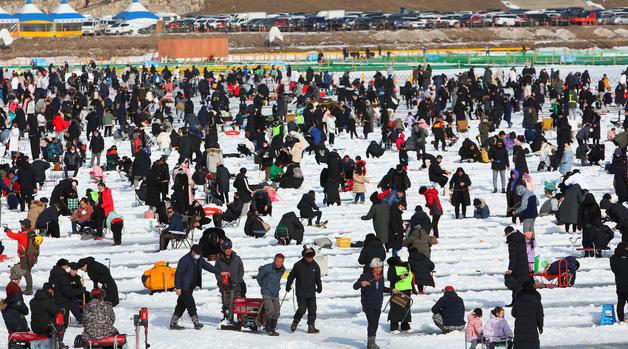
(28, 257)
(619, 266)
(187, 277)
(528, 313)
(518, 268)
(100, 274)
(372, 288)
(528, 209)
(269, 279)
(229, 261)
(307, 274)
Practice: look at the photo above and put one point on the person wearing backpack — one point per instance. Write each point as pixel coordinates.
(27, 249)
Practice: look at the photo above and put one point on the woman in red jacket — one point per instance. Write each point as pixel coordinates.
(433, 202)
(106, 200)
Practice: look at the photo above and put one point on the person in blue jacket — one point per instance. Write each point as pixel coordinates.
(269, 279)
(372, 288)
(186, 278)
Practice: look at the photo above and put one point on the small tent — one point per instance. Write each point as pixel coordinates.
(68, 22)
(137, 13)
(33, 22)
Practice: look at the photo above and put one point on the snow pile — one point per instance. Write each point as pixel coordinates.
(604, 32)
(622, 32)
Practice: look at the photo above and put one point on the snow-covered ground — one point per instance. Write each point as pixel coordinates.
(471, 256)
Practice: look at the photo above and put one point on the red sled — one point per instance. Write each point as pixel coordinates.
(111, 342)
(24, 340)
(3, 257)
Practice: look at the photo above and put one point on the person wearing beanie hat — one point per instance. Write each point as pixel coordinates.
(27, 260)
(448, 312)
(13, 307)
(188, 276)
(518, 268)
(43, 311)
(228, 261)
(64, 293)
(76, 283)
(99, 318)
(372, 287)
(307, 274)
(401, 279)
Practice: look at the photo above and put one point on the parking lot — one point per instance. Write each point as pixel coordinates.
(340, 20)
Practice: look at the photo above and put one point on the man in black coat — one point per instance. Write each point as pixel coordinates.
(141, 166)
(64, 293)
(499, 163)
(100, 274)
(187, 277)
(400, 181)
(619, 214)
(308, 208)
(43, 310)
(241, 183)
(34, 135)
(420, 218)
(62, 190)
(528, 313)
(26, 178)
(373, 248)
(437, 174)
(161, 171)
(619, 266)
(307, 274)
(518, 271)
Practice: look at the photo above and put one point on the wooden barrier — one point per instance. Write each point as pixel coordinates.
(215, 47)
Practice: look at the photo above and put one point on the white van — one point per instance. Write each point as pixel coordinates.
(90, 27)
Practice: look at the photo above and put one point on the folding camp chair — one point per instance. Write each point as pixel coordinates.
(181, 239)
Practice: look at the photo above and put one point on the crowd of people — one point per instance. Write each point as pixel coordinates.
(70, 118)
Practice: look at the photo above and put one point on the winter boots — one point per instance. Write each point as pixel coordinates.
(197, 324)
(271, 325)
(311, 329)
(294, 325)
(370, 343)
(174, 323)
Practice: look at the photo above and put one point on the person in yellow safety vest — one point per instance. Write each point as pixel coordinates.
(401, 279)
(572, 101)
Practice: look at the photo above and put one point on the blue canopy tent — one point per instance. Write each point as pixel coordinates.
(33, 22)
(137, 13)
(68, 22)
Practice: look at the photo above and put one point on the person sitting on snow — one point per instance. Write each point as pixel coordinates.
(550, 206)
(481, 210)
(98, 318)
(449, 311)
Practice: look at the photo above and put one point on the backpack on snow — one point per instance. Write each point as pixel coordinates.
(159, 278)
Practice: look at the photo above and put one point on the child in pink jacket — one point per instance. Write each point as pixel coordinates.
(474, 328)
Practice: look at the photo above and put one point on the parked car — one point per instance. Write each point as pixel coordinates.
(125, 28)
(508, 20)
(315, 23)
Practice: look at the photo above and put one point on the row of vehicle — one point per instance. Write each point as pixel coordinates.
(337, 20)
